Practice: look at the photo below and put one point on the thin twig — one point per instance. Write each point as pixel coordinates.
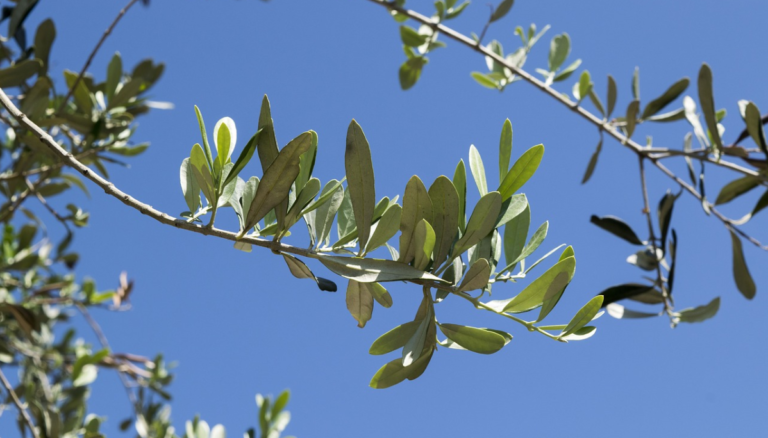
(93, 54)
(601, 124)
(19, 405)
(47, 206)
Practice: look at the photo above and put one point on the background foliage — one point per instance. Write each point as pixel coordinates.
(330, 374)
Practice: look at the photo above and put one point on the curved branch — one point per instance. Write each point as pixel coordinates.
(603, 125)
(22, 410)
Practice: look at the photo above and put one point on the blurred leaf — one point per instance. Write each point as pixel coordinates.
(521, 172)
(359, 303)
(612, 93)
(736, 188)
(672, 93)
(410, 71)
(592, 162)
(671, 116)
(631, 117)
(114, 74)
(707, 100)
(617, 227)
(360, 182)
(622, 291)
(755, 126)
(701, 313)
(484, 80)
(478, 340)
(620, 312)
(374, 270)
(567, 71)
(18, 74)
(501, 10)
(559, 49)
(741, 274)
(664, 215)
(478, 170)
(44, 37)
(585, 85)
(636, 84)
(596, 99)
(411, 37)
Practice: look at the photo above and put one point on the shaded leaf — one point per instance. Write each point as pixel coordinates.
(707, 100)
(445, 217)
(622, 291)
(386, 228)
(394, 339)
(416, 206)
(360, 182)
(460, 182)
(672, 93)
(501, 10)
(481, 223)
(359, 303)
(617, 227)
(477, 277)
(631, 118)
(592, 162)
(741, 274)
(374, 270)
(620, 312)
(700, 313)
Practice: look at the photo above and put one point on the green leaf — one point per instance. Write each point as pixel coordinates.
(416, 206)
(567, 71)
(554, 292)
(424, 242)
(515, 235)
(623, 291)
(367, 270)
(632, 109)
(44, 36)
(538, 237)
(501, 10)
(244, 158)
(225, 136)
(203, 133)
(736, 188)
(81, 94)
(307, 164)
(664, 215)
(394, 372)
(478, 340)
(266, 146)
(761, 204)
(505, 149)
(359, 303)
(114, 74)
(617, 227)
(671, 116)
(755, 126)
(410, 71)
(445, 217)
(741, 274)
(301, 270)
(535, 293)
(359, 168)
(612, 93)
(460, 182)
(386, 228)
(585, 85)
(559, 49)
(511, 208)
(411, 37)
(596, 99)
(379, 293)
(18, 74)
(478, 170)
(484, 80)
(592, 162)
(707, 100)
(672, 93)
(477, 277)
(346, 216)
(521, 172)
(583, 316)
(328, 193)
(636, 84)
(394, 339)
(307, 195)
(413, 349)
(700, 313)
(481, 223)
(278, 178)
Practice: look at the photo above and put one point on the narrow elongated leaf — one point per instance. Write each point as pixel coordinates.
(394, 372)
(623, 291)
(592, 162)
(394, 339)
(583, 316)
(741, 274)
(700, 313)
(620, 312)
(325, 213)
(534, 294)
(416, 206)
(114, 74)
(244, 158)
(477, 277)
(413, 348)
(81, 94)
(424, 242)
(538, 237)
(306, 196)
(19, 73)
(268, 152)
(553, 294)
(225, 136)
(707, 100)
(367, 270)
(585, 85)
(636, 84)
(671, 116)
(481, 223)
(445, 217)
(661, 102)
(386, 228)
(307, 164)
(328, 193)
(632, 109)
(521, 171)
(501, 10)
(761, 204)
(736, 188)
(359, 167)
(612, 93)
(511, 208)
(515, 235)
(379, 293)
(460, 182)
(664, 214)
(617, 227)
(203, 133)
(474, 339)
(505, 149)
(44, 37)
(278, 178)
(205, 181)
(478, 170)
(359, 303)
(754, 123)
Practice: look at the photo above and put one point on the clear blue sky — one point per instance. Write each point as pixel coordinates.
(238, 324)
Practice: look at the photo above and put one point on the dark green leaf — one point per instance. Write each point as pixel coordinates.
(501, 10)
(19, 73)
(481, 223)
(515, 235)
(632, 110)
(460, 182)
(477, 277)
(394, 339)
(755, 126)
(707, 100)
(736, 188)
(672, 93)
(616, 227)
(592, 162)
(445, 217)
(359, 168)
(623, 291)
(416, 206)
(611, 96)
(741, 274)
(478, 340)
(701, 313)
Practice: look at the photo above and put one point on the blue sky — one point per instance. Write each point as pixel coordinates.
(238, 324)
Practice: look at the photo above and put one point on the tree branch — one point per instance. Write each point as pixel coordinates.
(19, 405)
(93, 54)
(601, 124)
